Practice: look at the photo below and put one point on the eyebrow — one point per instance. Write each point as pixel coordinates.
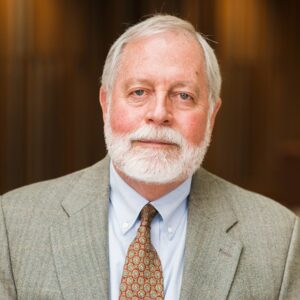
(188, 84)
(130, 81)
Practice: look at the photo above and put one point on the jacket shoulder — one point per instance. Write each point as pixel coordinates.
(49, 193)
(247, 205)
(38, 192)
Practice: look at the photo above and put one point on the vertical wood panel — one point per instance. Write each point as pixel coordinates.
(14, 108)
(3, 89)
(257, 46)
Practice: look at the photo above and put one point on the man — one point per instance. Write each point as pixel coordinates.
(81, 236)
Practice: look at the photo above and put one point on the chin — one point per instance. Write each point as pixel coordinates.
(151, 165)
(159, 167)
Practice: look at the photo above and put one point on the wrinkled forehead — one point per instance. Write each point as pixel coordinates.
(180, 38)
(172, 50)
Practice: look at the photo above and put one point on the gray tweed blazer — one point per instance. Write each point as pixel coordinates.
(54, 241)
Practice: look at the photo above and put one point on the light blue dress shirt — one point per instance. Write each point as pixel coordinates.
(168, 231)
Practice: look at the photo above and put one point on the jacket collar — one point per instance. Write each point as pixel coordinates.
(80, 245)
(211, 255)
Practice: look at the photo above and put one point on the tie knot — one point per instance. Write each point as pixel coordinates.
(147, 214)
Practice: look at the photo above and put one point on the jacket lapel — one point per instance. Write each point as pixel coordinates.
(211, 255)
(80, 245)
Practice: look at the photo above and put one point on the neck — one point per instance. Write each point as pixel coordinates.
(150, 191)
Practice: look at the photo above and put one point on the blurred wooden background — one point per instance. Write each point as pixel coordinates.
(52, 53)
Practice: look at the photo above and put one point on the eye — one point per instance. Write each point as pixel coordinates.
(184, 96)
(139, 92)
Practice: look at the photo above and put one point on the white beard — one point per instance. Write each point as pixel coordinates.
(152, 165)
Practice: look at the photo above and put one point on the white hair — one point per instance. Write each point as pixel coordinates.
(159, 24)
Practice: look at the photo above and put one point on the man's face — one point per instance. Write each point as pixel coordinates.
(161, 91)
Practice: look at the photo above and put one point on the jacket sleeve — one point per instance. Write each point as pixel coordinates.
(7, 285)
(290, 288)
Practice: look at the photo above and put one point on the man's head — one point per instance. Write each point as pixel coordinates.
(159, 96)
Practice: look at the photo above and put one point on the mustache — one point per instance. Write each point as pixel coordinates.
(152, 133)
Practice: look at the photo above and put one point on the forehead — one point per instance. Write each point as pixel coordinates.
(172, 50)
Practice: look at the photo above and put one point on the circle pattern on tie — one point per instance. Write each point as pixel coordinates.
(142, 274)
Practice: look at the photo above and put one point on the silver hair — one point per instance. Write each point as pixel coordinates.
(151, 26)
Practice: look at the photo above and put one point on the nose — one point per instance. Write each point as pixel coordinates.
(160, 111)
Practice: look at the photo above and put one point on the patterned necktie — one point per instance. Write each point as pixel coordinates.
(142, 274)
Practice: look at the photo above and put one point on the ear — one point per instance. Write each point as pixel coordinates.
(213, 115)
(103, 102)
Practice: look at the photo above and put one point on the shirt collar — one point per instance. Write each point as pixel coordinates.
(173, 207)
(127, 204)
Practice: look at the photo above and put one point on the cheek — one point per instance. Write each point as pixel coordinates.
(193, 128)
(122, 120)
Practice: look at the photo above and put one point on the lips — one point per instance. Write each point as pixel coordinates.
(154, 142)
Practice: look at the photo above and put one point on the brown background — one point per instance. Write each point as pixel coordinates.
(52, 53)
